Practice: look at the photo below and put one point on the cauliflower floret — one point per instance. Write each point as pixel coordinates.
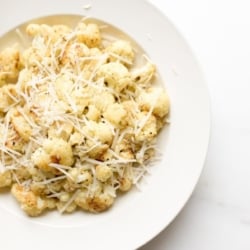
(76, 138)
(93, 113)
(79, 175)
(38, 189)
(88, 34)
(9, 65)
(36, 174)
(94, 204)
(56, 187)
(100, 131)
(103, 132)
(73, 173)
(100, 203)
(24, 78)
(72, 99)
(84, 177)
(115, 75)
(158, 98)
(103, 173)
(5, 179)
(120, 51)
(21, 125)
(8, 94)
(31, 57)
(106, 156)
(132, 109)
(125, 184)
(59, 31)
(48, 32)
(96, 150)
(37, 29)
(22, 173)
(63, 86)
(70, 186)
(116, 114)
(74, 52)
(81, 200)
(64, 197)
(148, 129)
(14, 141)
(64, 131)
(162, 106)
(51, 203)
(54, 150)
(144, 74)
(59, 151)
(124, 149)
(41, 159)
(33, 205)
(81, 103)
(103, 100)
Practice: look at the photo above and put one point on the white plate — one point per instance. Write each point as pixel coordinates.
(137, 216)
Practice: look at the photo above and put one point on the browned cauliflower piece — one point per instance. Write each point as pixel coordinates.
(5, 179)
(94, 204)
(31, 204)
(9, 65)
(54, 150)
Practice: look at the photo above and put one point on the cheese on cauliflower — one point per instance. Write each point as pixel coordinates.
(154, 97)
(78, 118)
(115, 75)
(120, 51)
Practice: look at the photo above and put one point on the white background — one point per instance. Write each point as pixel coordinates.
(218, 214)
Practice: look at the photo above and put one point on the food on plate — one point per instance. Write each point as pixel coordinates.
(78, 118)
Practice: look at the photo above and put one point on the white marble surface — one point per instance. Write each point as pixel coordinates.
(218, 214)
